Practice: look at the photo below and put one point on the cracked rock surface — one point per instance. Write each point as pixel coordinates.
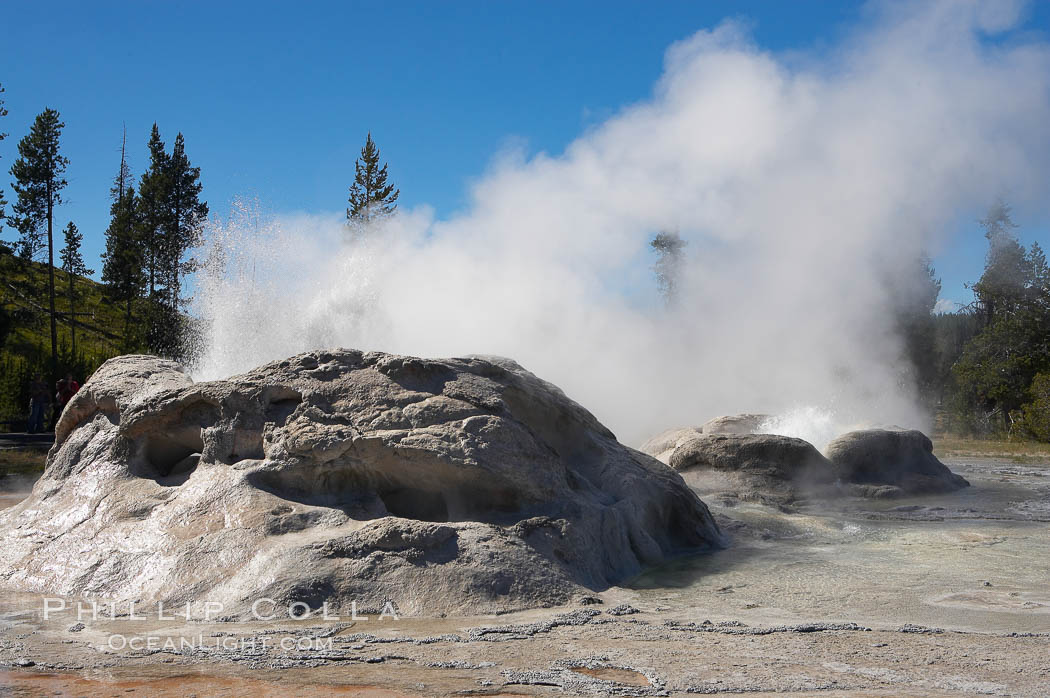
(442, 486)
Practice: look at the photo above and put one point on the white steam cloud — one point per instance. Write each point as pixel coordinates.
(802, 184)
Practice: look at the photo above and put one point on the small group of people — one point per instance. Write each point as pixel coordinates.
(40, 399)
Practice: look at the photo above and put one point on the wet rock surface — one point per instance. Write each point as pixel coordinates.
(439, 486)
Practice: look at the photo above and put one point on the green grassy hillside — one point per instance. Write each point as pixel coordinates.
(25, 334)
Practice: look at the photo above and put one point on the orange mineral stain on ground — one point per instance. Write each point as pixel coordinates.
(17, 683)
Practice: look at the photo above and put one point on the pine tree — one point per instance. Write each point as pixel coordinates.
(1040, 274)
(152, 208)
(154, 215)
(170, 215)
(73, 265)
(5, 317)
(914, 291)
(997, 368)
(38, 181)
(122, 262)
(370, 195)
(30, 241)
(1002, 284)
(668, 265)
(186, 215)
(3, 201)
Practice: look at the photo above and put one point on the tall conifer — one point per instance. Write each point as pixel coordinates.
(152, 209)
(3, 201)
(38, 183)
(371, 196)
(186, 216)
(123, 262)
(73, 265)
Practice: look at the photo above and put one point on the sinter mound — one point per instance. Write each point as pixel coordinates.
(873, 463)
(757, 467)
(891, 462)
(444, 486)
(664, 444)
(734, 424)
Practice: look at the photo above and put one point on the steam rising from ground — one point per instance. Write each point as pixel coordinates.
(803, 184)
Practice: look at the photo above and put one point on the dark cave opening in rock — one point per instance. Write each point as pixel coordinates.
(412, 503)
(172, 456)
(278, 411)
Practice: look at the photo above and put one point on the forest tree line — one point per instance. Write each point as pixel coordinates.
(986, 368)
(155, 222)
(983, 369)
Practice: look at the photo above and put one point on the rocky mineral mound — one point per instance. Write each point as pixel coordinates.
(757, 467)
(664, 444)
(734, 424)
(891, 462)
(724, 457)
(443, 486)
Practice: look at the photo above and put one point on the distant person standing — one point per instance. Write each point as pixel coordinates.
(65, 390)
(39, 398)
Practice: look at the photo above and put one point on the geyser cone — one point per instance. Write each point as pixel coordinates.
(442, 486)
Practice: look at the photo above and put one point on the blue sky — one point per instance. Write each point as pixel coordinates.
(274, 99)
